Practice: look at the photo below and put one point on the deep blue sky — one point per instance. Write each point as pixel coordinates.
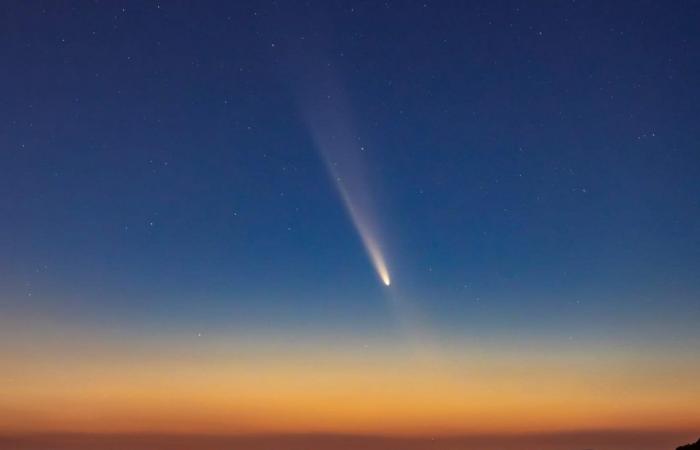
(535, 165)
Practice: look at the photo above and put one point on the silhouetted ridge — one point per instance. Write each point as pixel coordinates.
(695, 446)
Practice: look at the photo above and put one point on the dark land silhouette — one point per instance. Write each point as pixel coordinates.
(694, 446)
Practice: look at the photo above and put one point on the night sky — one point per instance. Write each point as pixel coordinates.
(198, 201)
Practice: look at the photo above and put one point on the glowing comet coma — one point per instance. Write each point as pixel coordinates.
(368, 240)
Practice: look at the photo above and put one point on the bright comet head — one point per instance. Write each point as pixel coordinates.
(376, 257)
(384, 275)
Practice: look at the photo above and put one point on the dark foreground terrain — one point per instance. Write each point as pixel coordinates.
(693, 446)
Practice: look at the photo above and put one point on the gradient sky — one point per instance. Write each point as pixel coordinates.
(183, 186)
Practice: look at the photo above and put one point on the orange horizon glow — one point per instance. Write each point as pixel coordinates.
(217, 385)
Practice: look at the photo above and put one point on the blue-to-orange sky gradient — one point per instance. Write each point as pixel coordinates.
(338, 224)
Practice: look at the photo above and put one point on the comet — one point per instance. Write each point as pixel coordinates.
(369, 241)
(346, 152)
(327, 114)
(330, 123)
